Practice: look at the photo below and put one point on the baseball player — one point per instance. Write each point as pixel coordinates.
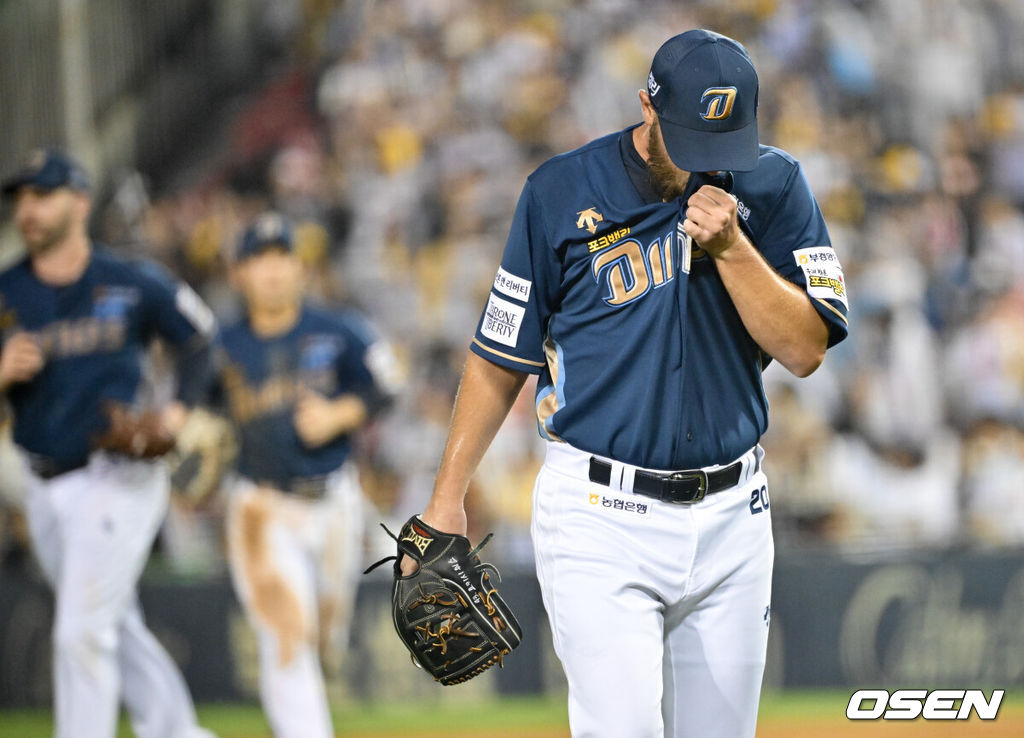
(76, 321)
(298, 382)
(648, 297)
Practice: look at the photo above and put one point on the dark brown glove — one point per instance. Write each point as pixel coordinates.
(138, 434)
(449, 613)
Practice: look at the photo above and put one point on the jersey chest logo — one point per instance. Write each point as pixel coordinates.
(630, 270)
(319, 352)
(588, 220)
(114, 302)
(252, 400)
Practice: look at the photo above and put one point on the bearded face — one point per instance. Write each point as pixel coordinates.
(45, 217)
(669, 180)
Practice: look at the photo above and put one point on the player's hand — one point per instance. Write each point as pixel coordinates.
(20, 360)
(711, 219)
(314, 418)
(319, 420)
(174, 416)
(446, 518)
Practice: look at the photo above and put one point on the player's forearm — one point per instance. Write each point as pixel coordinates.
(485, 396)
(350, 413)
(777, 314)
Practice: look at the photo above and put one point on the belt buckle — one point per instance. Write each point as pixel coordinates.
(702, 484)
(309, 488)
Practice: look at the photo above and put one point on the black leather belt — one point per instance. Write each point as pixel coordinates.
(308, 488)
(681, 487)
(45, 467)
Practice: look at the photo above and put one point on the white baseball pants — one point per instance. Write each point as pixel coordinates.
(92, 529)
(659, 612)
(295, 563)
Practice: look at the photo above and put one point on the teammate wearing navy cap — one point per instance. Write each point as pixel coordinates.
(649, 298)
(298, 381)
(75, 322)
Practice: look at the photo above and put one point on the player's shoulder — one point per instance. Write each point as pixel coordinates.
(775, 168)
(16, 274)
(129, 267)
(777, 180)
(104, 266)
(593, 154)
(234, 331)
(339, 319)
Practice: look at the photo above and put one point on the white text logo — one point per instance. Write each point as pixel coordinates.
(909, 704)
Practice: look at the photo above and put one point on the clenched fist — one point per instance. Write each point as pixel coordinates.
(20, 360)
(711, 219)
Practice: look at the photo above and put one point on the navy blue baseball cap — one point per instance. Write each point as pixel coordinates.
(47, 169)
(704, 88)
(269, 230)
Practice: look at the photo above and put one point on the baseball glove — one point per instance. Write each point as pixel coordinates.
(139, 434)
(449, 613)
(206, 447)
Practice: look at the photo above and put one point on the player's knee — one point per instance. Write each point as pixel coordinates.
(615, 718)
(608, 706)
(82, 639)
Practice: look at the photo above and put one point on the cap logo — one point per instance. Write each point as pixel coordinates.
(270, 226)
(719, 102)
(652, 86)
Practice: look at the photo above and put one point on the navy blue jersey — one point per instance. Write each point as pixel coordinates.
(327, 352)
(641, 354)
(93, 335)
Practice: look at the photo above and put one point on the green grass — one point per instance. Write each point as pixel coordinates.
(509, 713)
(409, 719)
(465, 719)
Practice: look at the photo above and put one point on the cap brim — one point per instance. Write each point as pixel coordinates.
(711, 151)
(15, 183)
(12, 185)
(257, 249)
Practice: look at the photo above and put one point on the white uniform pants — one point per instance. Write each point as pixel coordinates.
(92, 529)
(659, 612)
(295, 564)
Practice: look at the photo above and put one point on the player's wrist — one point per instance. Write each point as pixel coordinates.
(735, 248)
(446, 514)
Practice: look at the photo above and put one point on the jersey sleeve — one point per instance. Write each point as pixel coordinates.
(796, 243)
(173, 309)
(214, 394)
(524, 293)
(177, 314)
(368, 368)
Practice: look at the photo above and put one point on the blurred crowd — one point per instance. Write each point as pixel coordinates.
(398, 134)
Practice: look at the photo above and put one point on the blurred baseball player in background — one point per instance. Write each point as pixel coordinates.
(76, 323)
(649, 299)
(298, 382)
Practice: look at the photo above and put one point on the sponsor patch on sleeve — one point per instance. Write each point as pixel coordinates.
(194, 309)
(823, 273)
(502, 321)
(511, 285)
